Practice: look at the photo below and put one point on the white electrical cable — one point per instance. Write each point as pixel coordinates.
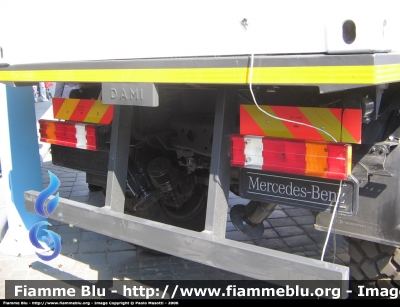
(331, 222)
(303, 124)
(273, 116)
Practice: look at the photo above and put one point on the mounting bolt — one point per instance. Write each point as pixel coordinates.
(244, 22)
(366, 120)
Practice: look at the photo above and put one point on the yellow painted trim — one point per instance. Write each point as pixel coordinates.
(96, 112)
(261, 75)
(347, 137)
(324, 119)
(269, 125)
(67, 108)
(387, 73)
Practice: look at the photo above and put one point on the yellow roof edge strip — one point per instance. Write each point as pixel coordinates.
(261, 75)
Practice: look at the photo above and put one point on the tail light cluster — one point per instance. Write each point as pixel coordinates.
(309, 158)
(71, 134)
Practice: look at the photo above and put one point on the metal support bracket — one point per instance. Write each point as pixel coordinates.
(373, 162)
(378, 98)
(118, 159)
(218, 189)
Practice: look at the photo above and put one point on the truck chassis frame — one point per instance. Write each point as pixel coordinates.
(210, 246)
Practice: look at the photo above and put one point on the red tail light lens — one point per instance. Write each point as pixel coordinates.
(309, 158)
(69, 134)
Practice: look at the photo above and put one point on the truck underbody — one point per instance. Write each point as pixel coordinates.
(165, 165)
(170, 156)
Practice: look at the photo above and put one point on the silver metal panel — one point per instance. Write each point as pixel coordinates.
(219, 62)
(173, 28)
(329, 88)
(219, 181)
(130, 94)
(118, 159)
(241, 258)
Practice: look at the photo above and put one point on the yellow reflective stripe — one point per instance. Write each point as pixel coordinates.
(324, 119)
(269, 125)
(261, 75)
(347, 136)
(96, 112)
(315, 75)
(67, 108)
(387, 73)
(174, 75)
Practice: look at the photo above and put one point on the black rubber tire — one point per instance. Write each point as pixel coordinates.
(373, 265)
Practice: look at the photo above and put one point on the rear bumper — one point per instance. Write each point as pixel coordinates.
(241, 258)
